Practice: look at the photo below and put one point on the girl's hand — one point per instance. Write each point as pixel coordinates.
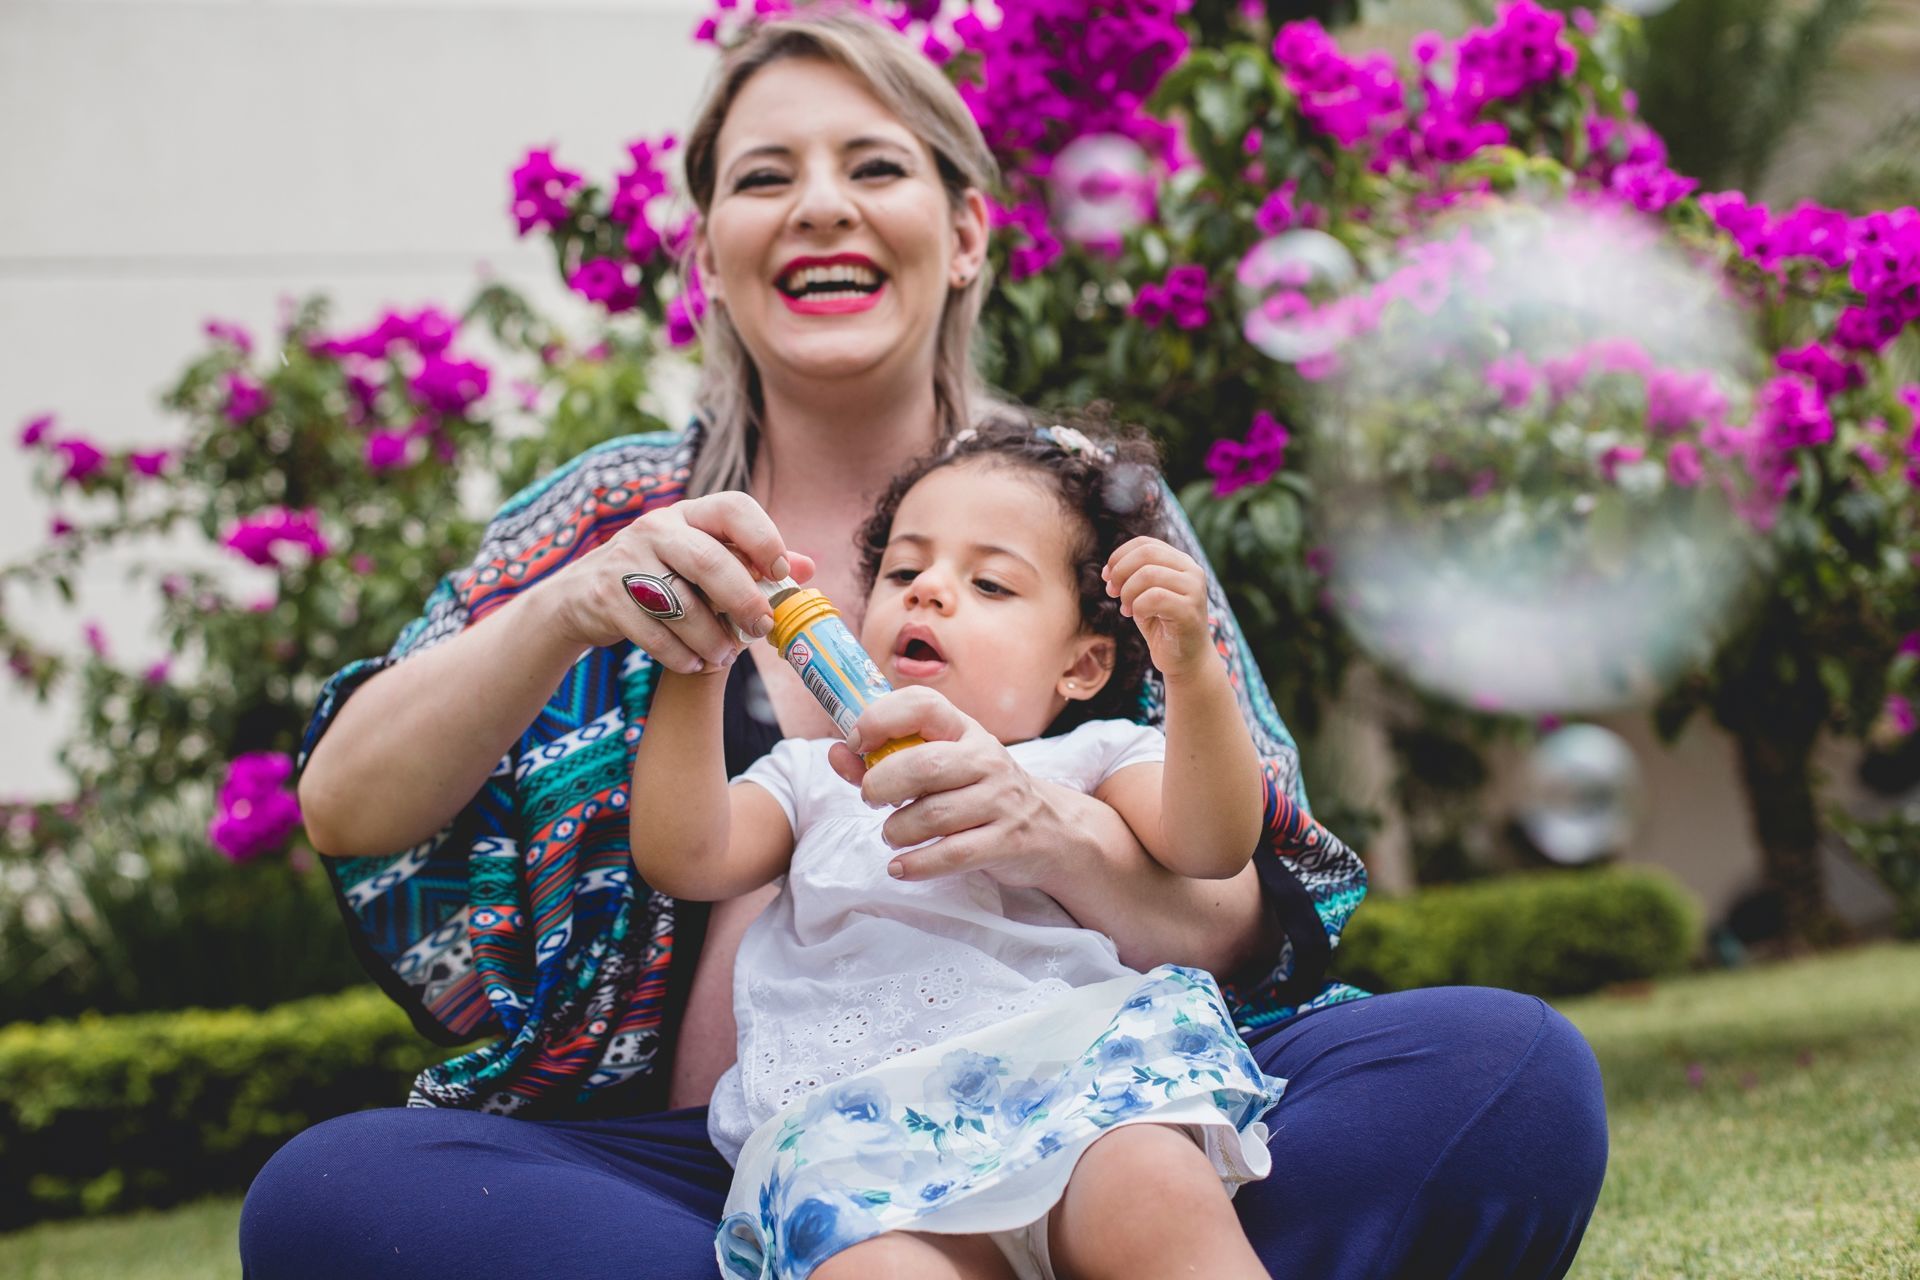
(1164, 590)
(716, 545)
(960, 788)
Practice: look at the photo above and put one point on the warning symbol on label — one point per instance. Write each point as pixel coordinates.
(800, 655)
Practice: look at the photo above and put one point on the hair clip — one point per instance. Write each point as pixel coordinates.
(957, 439)
(1073, 441)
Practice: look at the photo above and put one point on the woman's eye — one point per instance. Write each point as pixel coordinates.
(879, 169)
(759, 178)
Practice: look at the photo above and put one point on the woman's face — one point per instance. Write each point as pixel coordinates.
(831, 241)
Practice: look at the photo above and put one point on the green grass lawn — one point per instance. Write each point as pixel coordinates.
(1766, 1126)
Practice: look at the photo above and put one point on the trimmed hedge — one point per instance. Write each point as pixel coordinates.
(112, 1113)
(1549, 933)
(105, 1114)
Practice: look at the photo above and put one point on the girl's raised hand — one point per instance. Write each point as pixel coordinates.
(1164, 590)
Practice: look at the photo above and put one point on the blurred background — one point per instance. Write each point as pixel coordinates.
(293, 293)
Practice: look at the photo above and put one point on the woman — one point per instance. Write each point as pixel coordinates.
(842, 245)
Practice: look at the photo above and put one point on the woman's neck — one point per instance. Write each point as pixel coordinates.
(825, 453)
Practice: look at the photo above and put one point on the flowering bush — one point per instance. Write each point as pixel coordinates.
(1198, 130)
(328, 477)
(1263, 131)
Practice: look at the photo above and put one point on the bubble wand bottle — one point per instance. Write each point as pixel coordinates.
(810, 634)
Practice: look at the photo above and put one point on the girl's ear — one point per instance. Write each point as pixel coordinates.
(1089, 671)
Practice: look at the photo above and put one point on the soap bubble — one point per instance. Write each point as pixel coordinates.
(1291, 289)
(1583, 795)
(1103, 187)
(1530, 460)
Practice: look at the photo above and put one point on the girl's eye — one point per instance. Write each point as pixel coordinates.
(903, 575)
(991, 588)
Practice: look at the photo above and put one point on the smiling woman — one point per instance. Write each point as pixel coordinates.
(474, 787)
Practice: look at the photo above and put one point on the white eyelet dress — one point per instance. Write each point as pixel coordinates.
(935, 1056)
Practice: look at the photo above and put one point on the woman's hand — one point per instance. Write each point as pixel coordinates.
(716, 545)
(962, 787)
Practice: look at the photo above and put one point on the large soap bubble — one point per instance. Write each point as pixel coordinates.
(1530, 451)
(1102, 187)
(1291, 289)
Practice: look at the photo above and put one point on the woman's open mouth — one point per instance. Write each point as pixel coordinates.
(831, 286)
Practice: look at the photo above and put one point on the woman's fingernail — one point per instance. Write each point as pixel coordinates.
(697, 667)
(896, 869)
(781, 568)
(763, 627)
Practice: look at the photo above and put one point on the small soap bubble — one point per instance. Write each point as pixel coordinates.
(1292, 291)
(1583, 795)
(1127, 487)
(1103, 187)
(1531, 460)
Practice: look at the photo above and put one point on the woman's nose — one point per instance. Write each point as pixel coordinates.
(824, 202)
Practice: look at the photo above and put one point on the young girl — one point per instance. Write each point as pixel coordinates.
(955, 1057)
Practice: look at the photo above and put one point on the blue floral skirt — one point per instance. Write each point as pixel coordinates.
(979, 1134)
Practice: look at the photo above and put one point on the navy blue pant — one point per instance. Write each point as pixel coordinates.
(1457, 1131)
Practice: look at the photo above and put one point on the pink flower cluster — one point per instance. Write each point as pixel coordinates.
(1235, 464)
(1353, 100)
(1056, 70)
(1182, 299)
(540, 190)
(1629, 161)
(442, 385)
(637, 187)
(83, 460)
(1036, 246)
(256, 810)
(1880, 253)
(262, 538)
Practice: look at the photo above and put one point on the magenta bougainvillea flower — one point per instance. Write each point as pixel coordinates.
(83, 460)
(245, 398)
(450, 386)
(1235, 464)
(231, 334)
(634, 189)
(540, 189)
(1182, 299)
(34, 430)
(256, 810)
(263, 537)
(605, 281)
(151, 463)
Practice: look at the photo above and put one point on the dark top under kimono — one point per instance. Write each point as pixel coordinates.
(524, 918)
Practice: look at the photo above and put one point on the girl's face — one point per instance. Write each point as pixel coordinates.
(831, 241)
(976, 598)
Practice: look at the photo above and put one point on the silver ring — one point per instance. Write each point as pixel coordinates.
(654, 594)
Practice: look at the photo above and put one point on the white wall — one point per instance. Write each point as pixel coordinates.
(162, 162)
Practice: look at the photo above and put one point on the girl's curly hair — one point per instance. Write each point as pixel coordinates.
(1106, 477)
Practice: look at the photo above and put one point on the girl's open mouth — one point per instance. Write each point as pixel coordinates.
(918, 659)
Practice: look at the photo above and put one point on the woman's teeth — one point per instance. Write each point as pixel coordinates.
(827, 283)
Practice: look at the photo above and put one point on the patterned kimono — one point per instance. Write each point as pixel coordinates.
(524, 919)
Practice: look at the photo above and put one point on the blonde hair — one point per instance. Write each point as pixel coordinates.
(728, 395)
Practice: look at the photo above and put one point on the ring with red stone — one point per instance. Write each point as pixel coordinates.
(655, 595)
